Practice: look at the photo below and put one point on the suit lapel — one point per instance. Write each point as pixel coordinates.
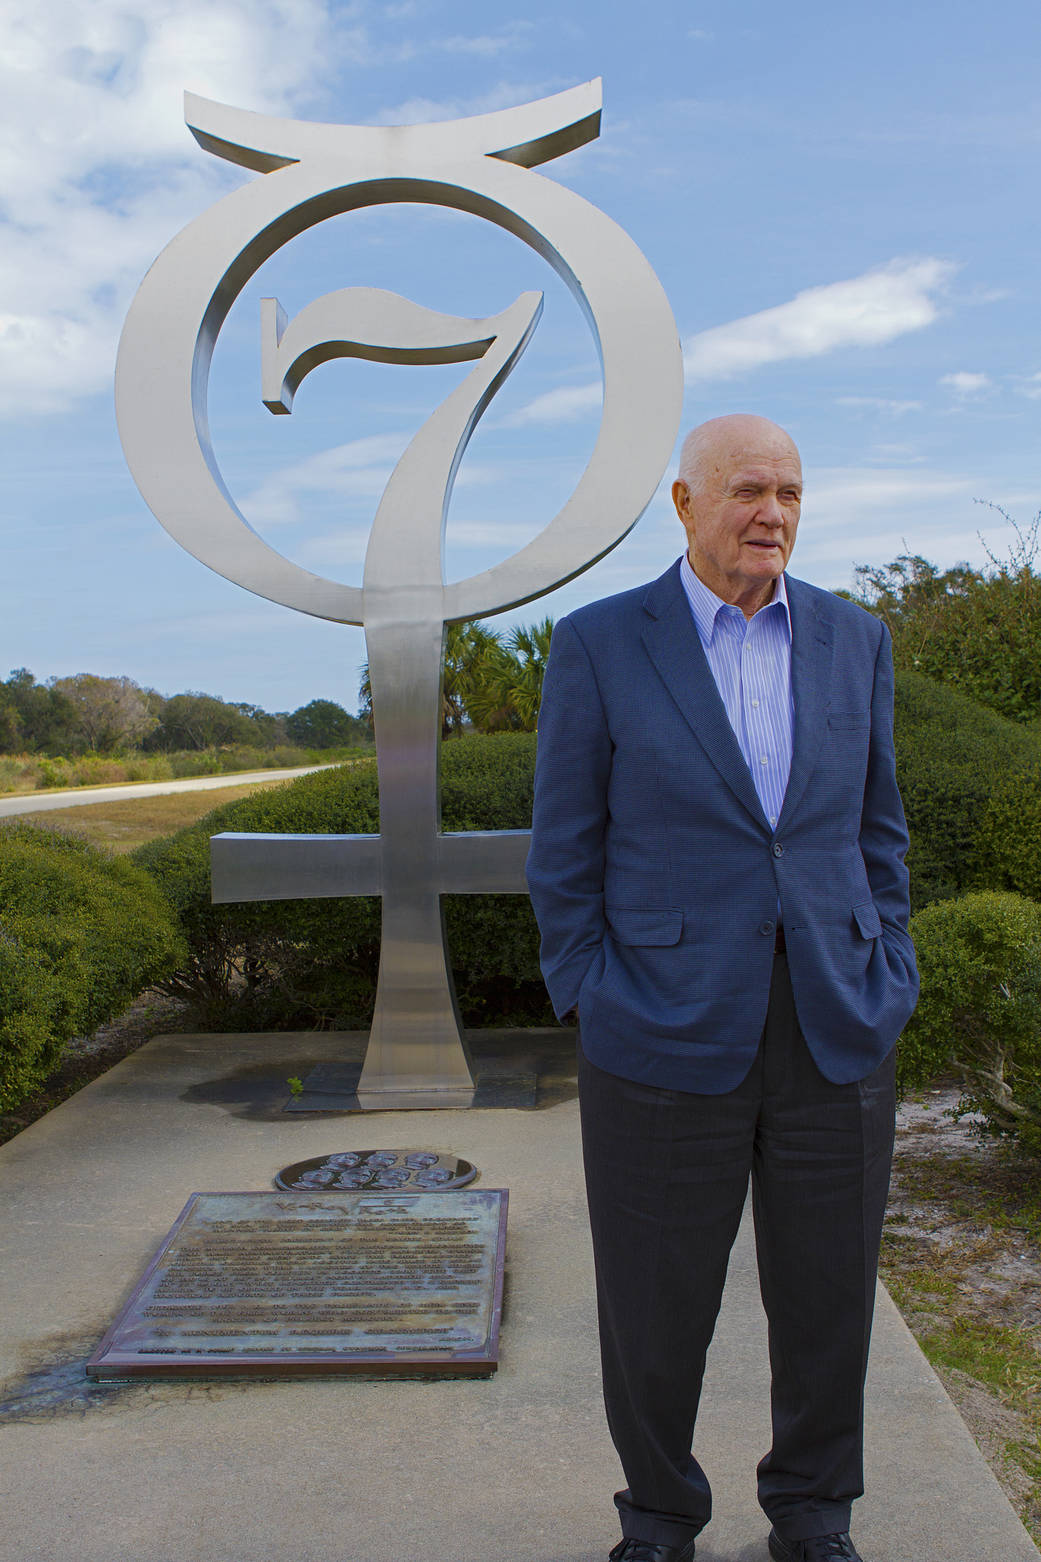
(674, 646)
(812, 651)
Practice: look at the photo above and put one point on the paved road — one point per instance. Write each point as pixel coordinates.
(41, 802)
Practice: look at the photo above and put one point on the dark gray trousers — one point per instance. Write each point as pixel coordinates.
(666, 1175)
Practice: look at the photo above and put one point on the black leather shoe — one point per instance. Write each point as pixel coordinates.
(818, 1548)
(647, 1551)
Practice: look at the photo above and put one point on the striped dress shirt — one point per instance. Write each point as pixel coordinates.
(751, 662)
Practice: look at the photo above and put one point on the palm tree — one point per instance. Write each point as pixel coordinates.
(508, 680)
(466, 644)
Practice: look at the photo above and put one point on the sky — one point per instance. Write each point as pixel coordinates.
(840, 202)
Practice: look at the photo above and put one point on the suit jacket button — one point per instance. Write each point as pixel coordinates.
(778, 849)
(766, 928)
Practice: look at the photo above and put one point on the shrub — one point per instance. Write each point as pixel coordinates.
(35, 1010)
(271, 964)
(980, 1009)
(976, 629)
(81, 934)
(1010, 833)
(952, 755)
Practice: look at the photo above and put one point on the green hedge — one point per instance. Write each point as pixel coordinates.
(81, 934)
(278, 964)
(980, 1009)
(288, 963)
(953, 757)
(1010, 832)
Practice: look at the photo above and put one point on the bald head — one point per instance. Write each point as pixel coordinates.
(738, 495)
(723, 441)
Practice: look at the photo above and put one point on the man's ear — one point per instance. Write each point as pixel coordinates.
(681, 499)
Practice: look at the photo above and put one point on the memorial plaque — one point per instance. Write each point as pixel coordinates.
(411, 1171)
(294, 1285)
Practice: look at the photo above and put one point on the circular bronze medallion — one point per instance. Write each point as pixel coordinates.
(378, 1171)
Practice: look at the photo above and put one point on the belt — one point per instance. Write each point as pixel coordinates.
(779, 944)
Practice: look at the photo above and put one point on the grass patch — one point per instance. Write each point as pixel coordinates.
(129, 822)
(960, 1259)
(1001, 1189)
(20, 773)
(998, 1365)
(1003, 1360)
(926, 1285)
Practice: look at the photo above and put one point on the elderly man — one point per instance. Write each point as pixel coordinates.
(717, 870)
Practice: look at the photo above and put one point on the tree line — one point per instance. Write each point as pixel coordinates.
(976, 629)
(89, 714)
(493, 683)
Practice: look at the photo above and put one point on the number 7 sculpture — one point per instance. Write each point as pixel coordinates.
(417, 1054)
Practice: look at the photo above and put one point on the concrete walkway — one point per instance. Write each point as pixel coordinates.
(514, 1469)
(80, 796)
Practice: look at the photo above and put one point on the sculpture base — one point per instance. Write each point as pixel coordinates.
(333, 1087)
(414, 1101)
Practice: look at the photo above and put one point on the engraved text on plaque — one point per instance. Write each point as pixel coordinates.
(288, 1284)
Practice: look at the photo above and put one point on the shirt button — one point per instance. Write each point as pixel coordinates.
(763, 760)
(755, 704)
(778, 849)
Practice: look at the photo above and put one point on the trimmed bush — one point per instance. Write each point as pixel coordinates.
(81, 934)
(1009, 838)
(952, 756)
(286, 963)
(280, 964)
(980, 1009)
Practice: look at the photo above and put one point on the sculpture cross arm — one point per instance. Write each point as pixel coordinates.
(254, 866)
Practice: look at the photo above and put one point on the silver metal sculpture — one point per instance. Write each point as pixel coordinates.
(417, 1054)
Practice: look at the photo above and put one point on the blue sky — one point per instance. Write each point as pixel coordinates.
(840, 202)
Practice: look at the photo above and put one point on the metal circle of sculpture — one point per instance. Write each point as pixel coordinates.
(483, 166)
(378, 1171)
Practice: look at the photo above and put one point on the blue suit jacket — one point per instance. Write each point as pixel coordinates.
(656, 876)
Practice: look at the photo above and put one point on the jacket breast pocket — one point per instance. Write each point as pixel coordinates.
(648, 925)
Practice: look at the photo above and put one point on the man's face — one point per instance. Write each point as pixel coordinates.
(742, 513)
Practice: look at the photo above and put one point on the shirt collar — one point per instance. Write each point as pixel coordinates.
(704, 604)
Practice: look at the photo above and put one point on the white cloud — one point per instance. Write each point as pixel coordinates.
(564, 405)
(488, 534)
(860, 515)
(515, 35)
(858, 491)
(345, 547)
(866, 311)
(895, 409)
(1031, 387)
(965, 383)
(357, 470)
(904, 454)
(97, 169)
(422, 111)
